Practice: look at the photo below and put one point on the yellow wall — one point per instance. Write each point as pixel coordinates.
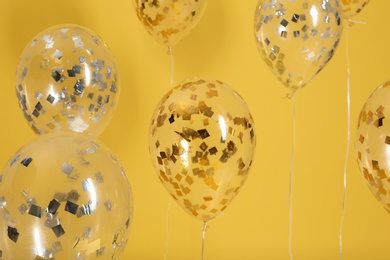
(222, 46)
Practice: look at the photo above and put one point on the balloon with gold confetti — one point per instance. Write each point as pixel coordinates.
(353, 7)
(169, 21)
(202, 140)
(64, 196)
(296, 39)
(67, 80)
(373, 143)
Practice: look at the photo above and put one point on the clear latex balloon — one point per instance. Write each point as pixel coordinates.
(373, 144)
(296, 39)
(202, 140)
(67, 81)
(64, 196)
(353, 7)
(169, 21)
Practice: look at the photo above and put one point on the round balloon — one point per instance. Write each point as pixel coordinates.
(64, 196)
(202, 140)
(67, 80)
(353, 7)
(297, 39)
(169, 21)
(373, 143)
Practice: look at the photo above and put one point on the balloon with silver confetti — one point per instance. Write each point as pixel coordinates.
(169, 21)
(373, 144)
(67, 80)
(296, 39)
(64, 196)
(202, 141)
(353, 7)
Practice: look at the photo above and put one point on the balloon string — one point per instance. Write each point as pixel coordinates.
(348, 144)
(291, 178)
(170, 52)
(355, 22)
(204, 237)
(167, 229)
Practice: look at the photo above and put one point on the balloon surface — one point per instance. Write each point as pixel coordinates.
(296, 39)
(202, 141)
(353, 7)
(169, 21)
(373, 144)
(67, 81)
(64, 196)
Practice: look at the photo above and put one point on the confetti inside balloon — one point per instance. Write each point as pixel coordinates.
(67, 81)
(353, 7)
(373, 144)
(202, 140)
(169, 21)
(296, 39)
(64, 196)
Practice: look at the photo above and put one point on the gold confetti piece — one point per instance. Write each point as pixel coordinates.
(224, 201)
(208, 198)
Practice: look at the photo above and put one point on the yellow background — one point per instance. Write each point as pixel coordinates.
(222, 46)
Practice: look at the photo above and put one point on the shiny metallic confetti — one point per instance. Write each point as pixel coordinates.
(35, 211)
(169, 22)
(67, 168)
(58, 230)
(26, 161)
(372, 144)
(100, 251)
(195, 146)
(23, 209)
(64, 193)
(53, 206)
(87, 232)
(297, 39)
(71, 63)
(353, 7)
(13, 234)
(71, 207)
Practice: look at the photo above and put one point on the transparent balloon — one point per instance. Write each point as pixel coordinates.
(67, 80)
(169, 21)
(202, 141)
(373, 144)
(296, 39)
(353, 7)
(64, 196)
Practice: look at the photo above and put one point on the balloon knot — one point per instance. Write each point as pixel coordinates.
(290, 95)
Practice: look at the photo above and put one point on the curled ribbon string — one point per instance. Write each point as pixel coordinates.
(170, 52)
(293, 97)
(204, 237)
(167, 229)
(352, 22)
(347, 146)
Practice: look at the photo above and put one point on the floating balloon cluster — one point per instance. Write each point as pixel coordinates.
(65, 195)
(57, 195)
